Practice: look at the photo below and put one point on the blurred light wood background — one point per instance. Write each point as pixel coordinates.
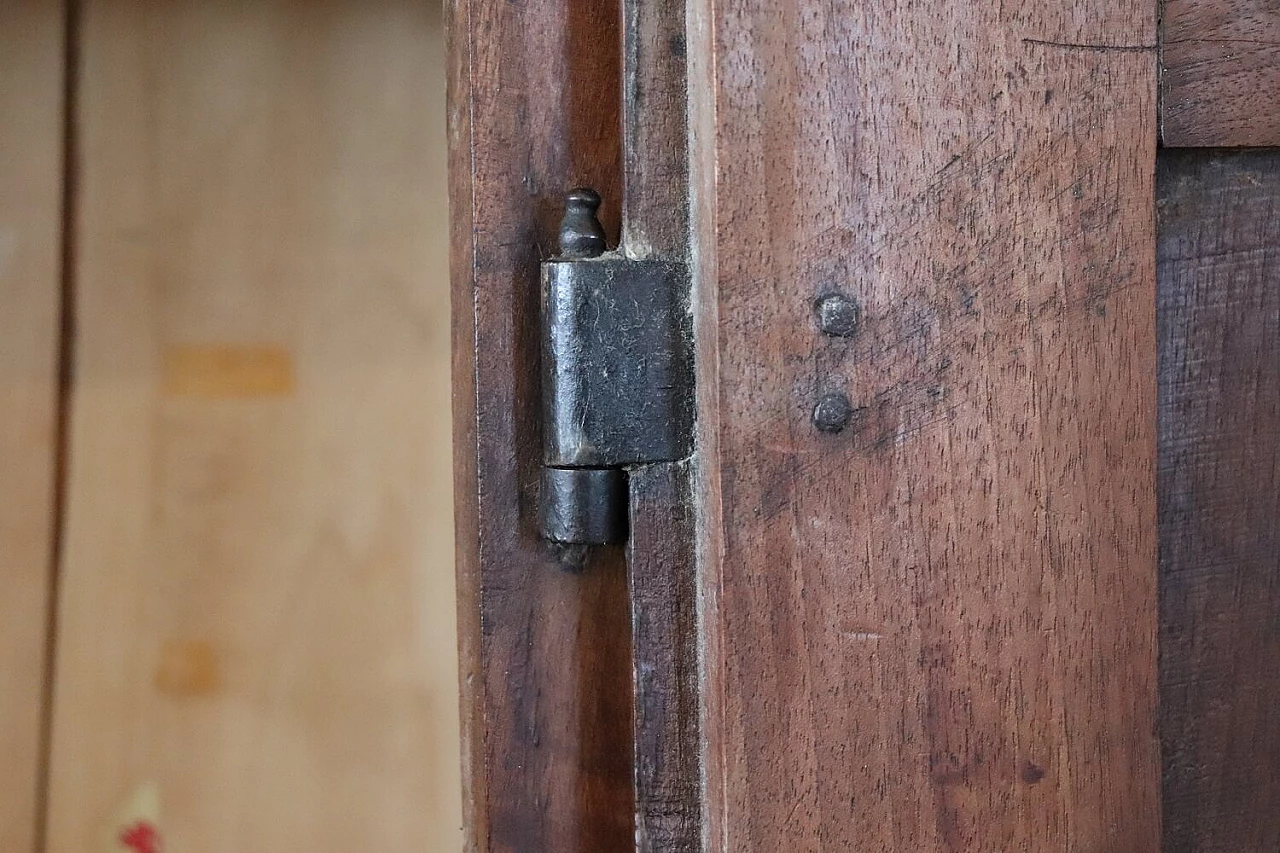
(227, 566)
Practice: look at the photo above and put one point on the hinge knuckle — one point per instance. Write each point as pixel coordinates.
(584, 506)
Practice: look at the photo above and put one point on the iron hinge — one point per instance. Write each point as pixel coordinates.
(617, 375)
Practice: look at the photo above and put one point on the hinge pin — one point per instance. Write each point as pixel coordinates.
(581, 234)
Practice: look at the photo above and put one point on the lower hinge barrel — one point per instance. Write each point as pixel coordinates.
(584, 506)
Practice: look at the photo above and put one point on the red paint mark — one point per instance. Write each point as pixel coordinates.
(142, 837)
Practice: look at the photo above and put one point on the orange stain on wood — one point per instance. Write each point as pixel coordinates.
(188, 668)
(228, 372)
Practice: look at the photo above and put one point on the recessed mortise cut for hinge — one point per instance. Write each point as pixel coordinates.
(617, 376)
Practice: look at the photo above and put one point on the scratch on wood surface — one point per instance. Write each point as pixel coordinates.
(1104, 48)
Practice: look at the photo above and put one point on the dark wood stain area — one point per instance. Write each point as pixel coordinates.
(663, 612)
(1219, 490)
(534, 93)
(936, 630)
(1221, 73)
(656, 219)
(662, 568)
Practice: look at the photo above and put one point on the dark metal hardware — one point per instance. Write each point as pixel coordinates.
(833, 412)
(838, 315)
(617, 375)
(585, 506)
(581, 234)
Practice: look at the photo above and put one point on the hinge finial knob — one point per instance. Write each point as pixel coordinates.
(581, 234)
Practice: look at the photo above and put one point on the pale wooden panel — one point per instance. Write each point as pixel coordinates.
(936, 630)
(258, 608)
(31, 58)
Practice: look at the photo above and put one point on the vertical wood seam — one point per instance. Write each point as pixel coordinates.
(704, 305)
(460, 139)
(62, 409)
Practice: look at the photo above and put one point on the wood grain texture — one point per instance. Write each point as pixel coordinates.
(667, 761)
(1219, 488)
(663, 585)
(655, 220)
(31, 104)
(1220, 76)
(534, 109)
(935, 631)
(257, 619)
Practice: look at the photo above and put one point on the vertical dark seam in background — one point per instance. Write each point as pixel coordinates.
(62, 414)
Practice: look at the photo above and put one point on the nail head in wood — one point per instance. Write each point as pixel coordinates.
(838, 315)
(833, 412)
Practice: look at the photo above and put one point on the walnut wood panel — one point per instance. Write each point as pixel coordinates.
(936, 630)
(31, 139)
(655, 129)
(534, 92)
(1219, 488)
(660, 556)
(663, 588)
(1221, 72)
